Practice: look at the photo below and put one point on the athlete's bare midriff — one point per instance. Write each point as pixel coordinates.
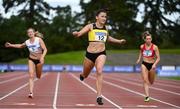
(36, 56)
(149, 59)
(96, 47)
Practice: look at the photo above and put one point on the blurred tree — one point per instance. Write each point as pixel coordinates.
(157, 17)
(12, 30)
(33, 11)
(59, 32)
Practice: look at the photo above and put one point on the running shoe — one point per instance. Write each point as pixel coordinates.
(81, 77)
(30, 95)
(147, 99)
(99, 100)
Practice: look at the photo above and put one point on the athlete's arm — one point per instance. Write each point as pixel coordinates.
(113, 40)
(157, 57)
(82, 31)
(44, 50)
(9, 45)
(140, 55)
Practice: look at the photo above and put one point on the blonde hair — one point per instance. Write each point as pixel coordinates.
(37, 33)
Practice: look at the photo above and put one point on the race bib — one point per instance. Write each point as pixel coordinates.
(147, 53)
(33, 48)
(100, 36)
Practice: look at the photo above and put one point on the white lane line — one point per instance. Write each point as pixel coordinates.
(19, 88)
(129, 90)
(9, 75)
(2, 82)
(116, 105)
(167, 85)
(56, 91)
(14, 91)
(133, 83)
(157, 83)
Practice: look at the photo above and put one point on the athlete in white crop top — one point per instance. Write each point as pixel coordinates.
(37, 51)
(34, 48)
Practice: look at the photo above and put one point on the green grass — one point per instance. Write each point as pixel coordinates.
(170, 51)
(172, 78)
(76, 57)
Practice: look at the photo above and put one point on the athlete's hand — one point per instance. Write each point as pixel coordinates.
(122, 41)
(76, 34)
(153, 67)
(7, 44)
(42, 60)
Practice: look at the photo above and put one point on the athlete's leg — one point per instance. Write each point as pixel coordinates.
(31, 75)
(39, 70)
(152, 74)
(145, 79)
(99, 64)
(87, 67)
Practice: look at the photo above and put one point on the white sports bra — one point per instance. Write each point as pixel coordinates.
(34, 47)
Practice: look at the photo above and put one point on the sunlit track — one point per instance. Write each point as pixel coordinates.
(12, 79)
(131, 91)
(134, 83)
(17, 89)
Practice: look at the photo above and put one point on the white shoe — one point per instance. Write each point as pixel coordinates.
(146, 99)
(30, 95)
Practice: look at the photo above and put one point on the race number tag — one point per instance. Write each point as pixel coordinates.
(147, 53)
(100, 36)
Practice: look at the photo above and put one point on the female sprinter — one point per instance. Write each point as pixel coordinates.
(37, 50)
(96, 52)
(150, 54)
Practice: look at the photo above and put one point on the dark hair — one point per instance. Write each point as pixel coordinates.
(146, 33)
(101, 10)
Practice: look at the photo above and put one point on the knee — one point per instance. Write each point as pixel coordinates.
(145, 80)
(31, 76)
(99, 73)
(99, 69)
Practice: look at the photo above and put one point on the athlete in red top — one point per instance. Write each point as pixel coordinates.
(150, 54)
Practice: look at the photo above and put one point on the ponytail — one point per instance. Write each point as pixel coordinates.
(38, 34)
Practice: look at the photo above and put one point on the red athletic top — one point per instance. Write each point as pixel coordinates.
(148, 52)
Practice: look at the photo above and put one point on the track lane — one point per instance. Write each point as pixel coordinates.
(136, 78)
(43, 95)
(9, 86)
(159, 95)
(124, 90)
(74, 94)
(130, 97)
(10, 75)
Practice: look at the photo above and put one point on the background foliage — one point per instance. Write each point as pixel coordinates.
(58, 29)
